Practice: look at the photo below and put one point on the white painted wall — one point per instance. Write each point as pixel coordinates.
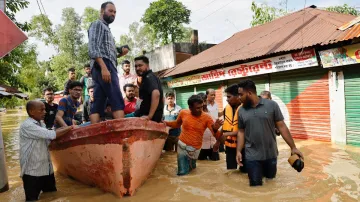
(337, 107)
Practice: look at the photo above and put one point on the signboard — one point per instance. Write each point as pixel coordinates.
(10, 35)
(346, 55)
(306, 58)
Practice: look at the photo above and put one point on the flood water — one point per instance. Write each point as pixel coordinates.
(332, 173)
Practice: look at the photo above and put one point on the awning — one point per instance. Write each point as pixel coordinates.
(59, 92)
(5, 94)
(21, 95)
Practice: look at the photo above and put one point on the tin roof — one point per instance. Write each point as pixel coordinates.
(305, 28)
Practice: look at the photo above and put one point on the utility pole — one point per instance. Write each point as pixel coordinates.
(4, 183)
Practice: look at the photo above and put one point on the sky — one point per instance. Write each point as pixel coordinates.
(216, 20)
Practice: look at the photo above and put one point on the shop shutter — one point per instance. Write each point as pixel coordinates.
(182, 96)
(303, 96)
(352, 105)
(260, 82)
(218, 91)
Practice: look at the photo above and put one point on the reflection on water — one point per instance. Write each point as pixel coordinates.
(332, 173)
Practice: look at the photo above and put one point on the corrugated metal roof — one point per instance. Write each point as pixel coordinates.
(301, 29)
(3, 93)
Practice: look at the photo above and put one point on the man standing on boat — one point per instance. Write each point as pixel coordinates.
(194, 122)
(37, 171)
(68, 106)
(257, 120)
(103, 54)
(151, 92)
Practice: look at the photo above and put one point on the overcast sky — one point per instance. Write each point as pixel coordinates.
(216, 20)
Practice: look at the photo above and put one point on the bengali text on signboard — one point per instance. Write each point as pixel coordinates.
(306, 58)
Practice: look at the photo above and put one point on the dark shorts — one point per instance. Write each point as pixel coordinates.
(171, 143)
(34, 185)
(259, 169)
(231, 160)
(222, 148)
(104, 91)
(208, 154)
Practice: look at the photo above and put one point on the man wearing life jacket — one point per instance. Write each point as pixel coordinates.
(230, 127)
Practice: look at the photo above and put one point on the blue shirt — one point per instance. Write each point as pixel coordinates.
(171, 115)
(69, 108)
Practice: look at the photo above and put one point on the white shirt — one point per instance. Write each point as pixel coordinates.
(34, 154)
(213, 110)
(208, 139)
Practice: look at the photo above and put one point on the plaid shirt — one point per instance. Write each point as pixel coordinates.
(101, 42)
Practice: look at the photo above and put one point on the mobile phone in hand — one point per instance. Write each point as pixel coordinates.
(119, 49)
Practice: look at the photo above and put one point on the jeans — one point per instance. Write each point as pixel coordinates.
(259, 169)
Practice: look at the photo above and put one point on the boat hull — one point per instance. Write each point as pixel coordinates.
(116, 156)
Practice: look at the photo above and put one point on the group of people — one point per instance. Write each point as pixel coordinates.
(100, 91)
(247, 126)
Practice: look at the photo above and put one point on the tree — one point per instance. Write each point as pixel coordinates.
(139, 38)
(263, 13)
(68, 40)
(166, 19)
(90, 15)
(14, 6)
(345, 9)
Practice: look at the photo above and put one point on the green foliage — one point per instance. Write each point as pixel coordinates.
(67, 38)
(140, 38)
(263, 13)
(12, 7)
(90, 15)
(345, 9)
(10, 103)
(166, 19)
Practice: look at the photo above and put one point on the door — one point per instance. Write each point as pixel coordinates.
(352, 105)
(303, 97)
(182, 96)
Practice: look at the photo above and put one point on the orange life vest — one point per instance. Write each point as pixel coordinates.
(230, 125)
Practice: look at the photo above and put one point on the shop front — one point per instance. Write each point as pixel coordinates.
(297, 83)
(345, 61)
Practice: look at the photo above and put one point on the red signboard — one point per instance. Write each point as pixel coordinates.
(10, 35)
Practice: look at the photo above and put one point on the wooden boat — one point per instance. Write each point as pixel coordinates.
(116, 156)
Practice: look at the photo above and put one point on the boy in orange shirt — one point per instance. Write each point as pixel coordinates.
(194, 123)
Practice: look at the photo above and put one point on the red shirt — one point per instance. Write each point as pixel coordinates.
(129, 106)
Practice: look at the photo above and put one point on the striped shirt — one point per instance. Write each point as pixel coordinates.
(34, 154)
(101, 42)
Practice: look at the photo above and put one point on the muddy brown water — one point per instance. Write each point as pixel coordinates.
(332, 173)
